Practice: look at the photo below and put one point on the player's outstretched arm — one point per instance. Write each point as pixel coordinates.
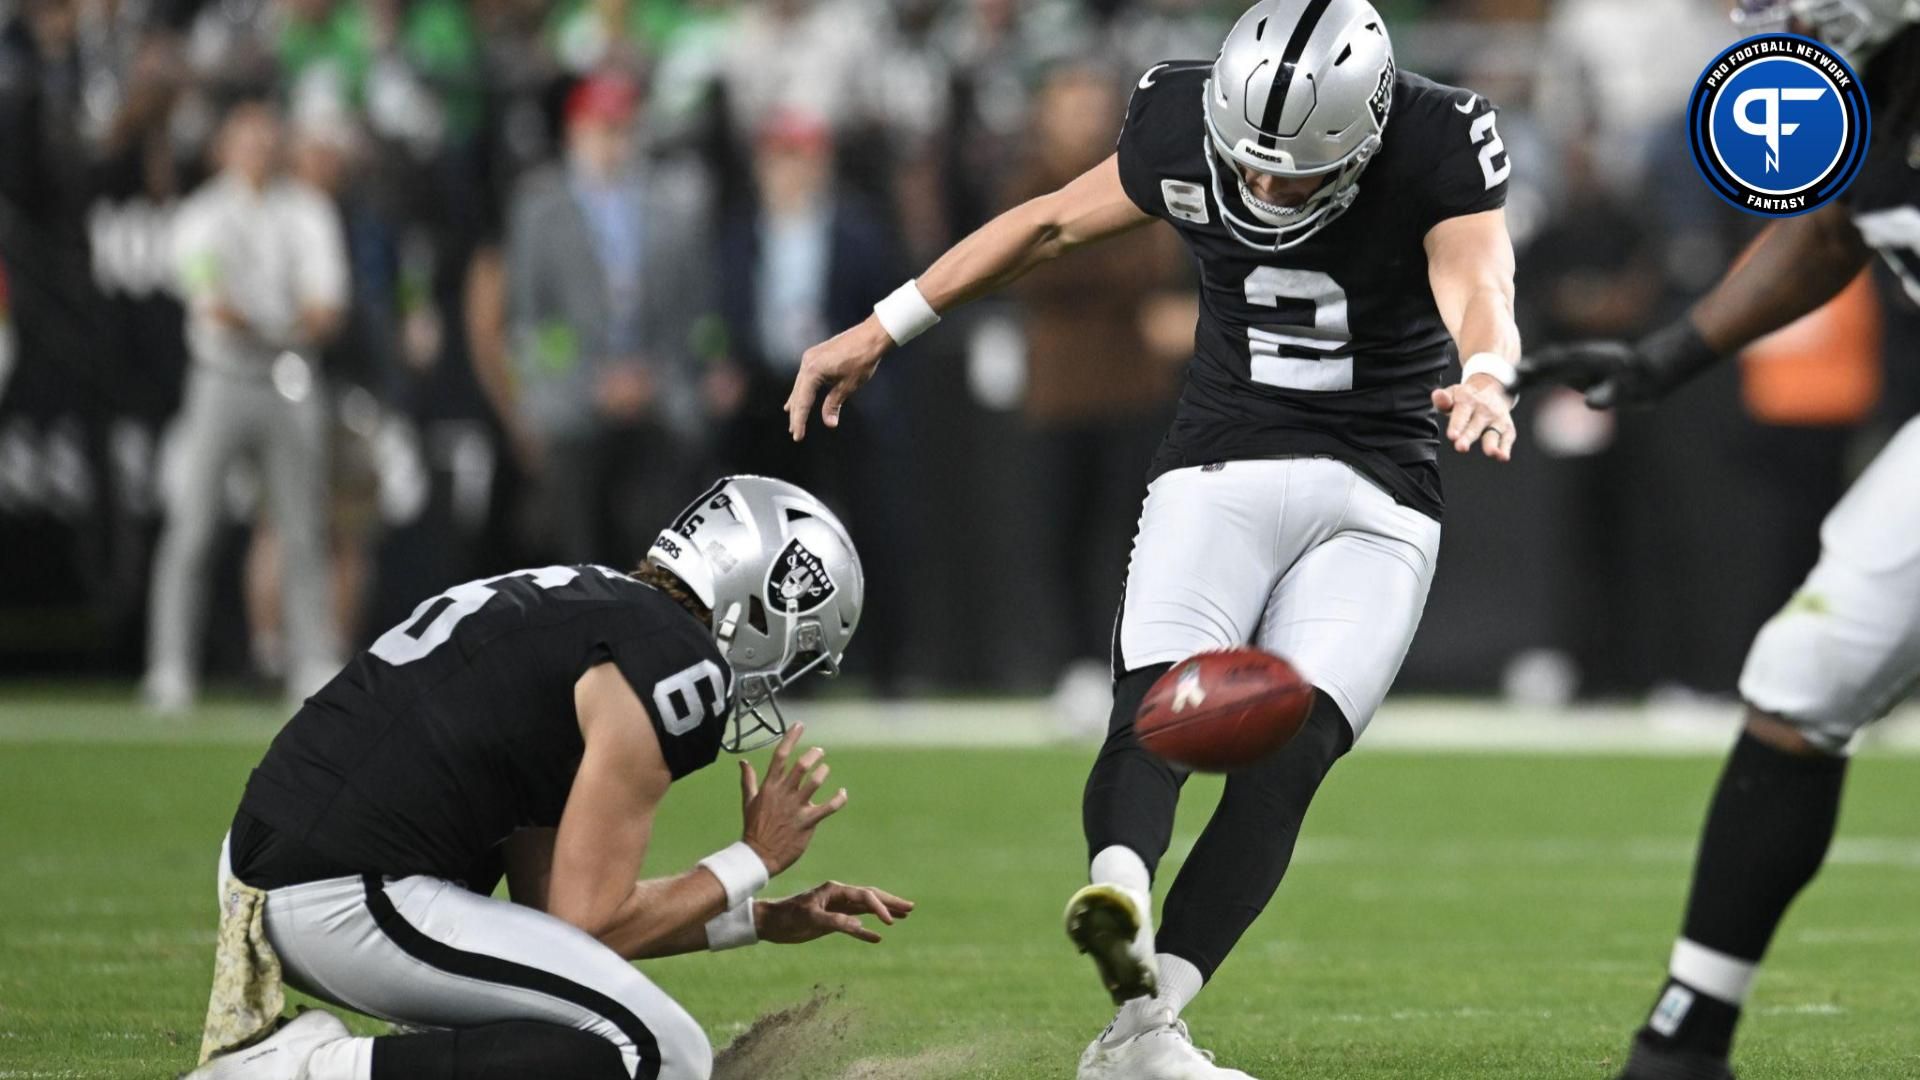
(608, 823)
(1470, 269)
(1092, 207)
(1793, 267)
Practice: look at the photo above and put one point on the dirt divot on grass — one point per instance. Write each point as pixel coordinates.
(940, 1063)
(782, 1042)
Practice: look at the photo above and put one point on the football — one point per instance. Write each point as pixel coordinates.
(1218, 711)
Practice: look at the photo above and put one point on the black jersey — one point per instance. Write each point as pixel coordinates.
(1334, 346)
(458, 726)
(1885, 197)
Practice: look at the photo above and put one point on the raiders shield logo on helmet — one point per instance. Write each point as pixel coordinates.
(798, 578)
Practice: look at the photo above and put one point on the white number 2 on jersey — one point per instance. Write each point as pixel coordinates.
(432, 623)
(1295, 357)
(1494, 163)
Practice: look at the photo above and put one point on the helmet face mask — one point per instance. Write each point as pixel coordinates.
(1296, 94)
(756, 720)
(783, 582)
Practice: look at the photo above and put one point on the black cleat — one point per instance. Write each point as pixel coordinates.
(1650, 1062)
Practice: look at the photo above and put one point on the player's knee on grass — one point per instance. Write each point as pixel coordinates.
(679, 1043)
(685, 1053)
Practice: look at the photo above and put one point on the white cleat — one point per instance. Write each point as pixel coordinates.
(1161, 1051)
(1114, 925)
(282, 1055)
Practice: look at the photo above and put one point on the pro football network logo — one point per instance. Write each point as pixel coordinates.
(799, 580)
(1778, 124)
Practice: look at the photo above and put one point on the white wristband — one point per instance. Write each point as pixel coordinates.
(740, 870)
(905, 314)
(733, 928)
(1493, 364)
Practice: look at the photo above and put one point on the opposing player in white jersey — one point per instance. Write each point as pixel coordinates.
(1846, 648)
(1347, 221)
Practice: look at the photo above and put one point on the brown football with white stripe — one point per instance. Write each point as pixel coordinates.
(1219, 711)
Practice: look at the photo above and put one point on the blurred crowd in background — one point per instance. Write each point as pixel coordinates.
(375, 296)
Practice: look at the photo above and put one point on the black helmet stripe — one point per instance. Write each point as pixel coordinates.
(1283, 76)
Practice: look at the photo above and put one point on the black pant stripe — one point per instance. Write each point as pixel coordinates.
(492, 969)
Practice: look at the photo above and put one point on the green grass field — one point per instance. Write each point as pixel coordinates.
(1449, 915)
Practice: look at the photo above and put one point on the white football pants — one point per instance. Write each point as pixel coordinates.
(1303, 557)
(1846, 648)
(426, 952)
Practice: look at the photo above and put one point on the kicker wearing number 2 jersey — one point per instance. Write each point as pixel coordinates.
(1346, 221)
(1332, 347)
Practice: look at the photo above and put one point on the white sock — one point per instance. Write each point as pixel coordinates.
(1117, 865)
(342, 1059)
(1711, 972)
(1180, 982)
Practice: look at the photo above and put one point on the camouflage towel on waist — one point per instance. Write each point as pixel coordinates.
(247, 996)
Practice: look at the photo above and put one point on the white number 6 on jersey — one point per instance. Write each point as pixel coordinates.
(686, 698)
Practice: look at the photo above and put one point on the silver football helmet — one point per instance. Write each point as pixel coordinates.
(1301, 88)
(1853, 27)
(783, 581)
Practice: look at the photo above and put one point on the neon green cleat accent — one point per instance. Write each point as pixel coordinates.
(1109, 923)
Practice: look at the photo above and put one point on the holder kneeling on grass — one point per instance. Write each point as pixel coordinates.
(528, 726)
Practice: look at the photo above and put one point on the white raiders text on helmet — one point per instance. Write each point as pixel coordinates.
(1301, 88)
(784, 584)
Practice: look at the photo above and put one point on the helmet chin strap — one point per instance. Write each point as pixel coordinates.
(1274, 237)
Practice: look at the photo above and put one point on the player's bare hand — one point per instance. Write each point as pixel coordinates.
(1479, 412)
(840, 365)
(780, 813)
(831, 908)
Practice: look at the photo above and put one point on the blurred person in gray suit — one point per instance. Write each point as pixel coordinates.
(263, 273)
(609, 309)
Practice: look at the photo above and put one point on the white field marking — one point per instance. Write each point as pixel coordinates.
(117, 942)
(1881, 851)
(1810, 1008)
(1465, 1012)
(1407, 724)
(1865, 935)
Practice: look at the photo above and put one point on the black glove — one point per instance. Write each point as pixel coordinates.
(1615, 373)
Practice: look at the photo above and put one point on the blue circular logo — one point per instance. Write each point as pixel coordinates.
(1779, 124)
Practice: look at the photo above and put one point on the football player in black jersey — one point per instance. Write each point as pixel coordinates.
(1846, 648)
(1346, 218)
(527, 726)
